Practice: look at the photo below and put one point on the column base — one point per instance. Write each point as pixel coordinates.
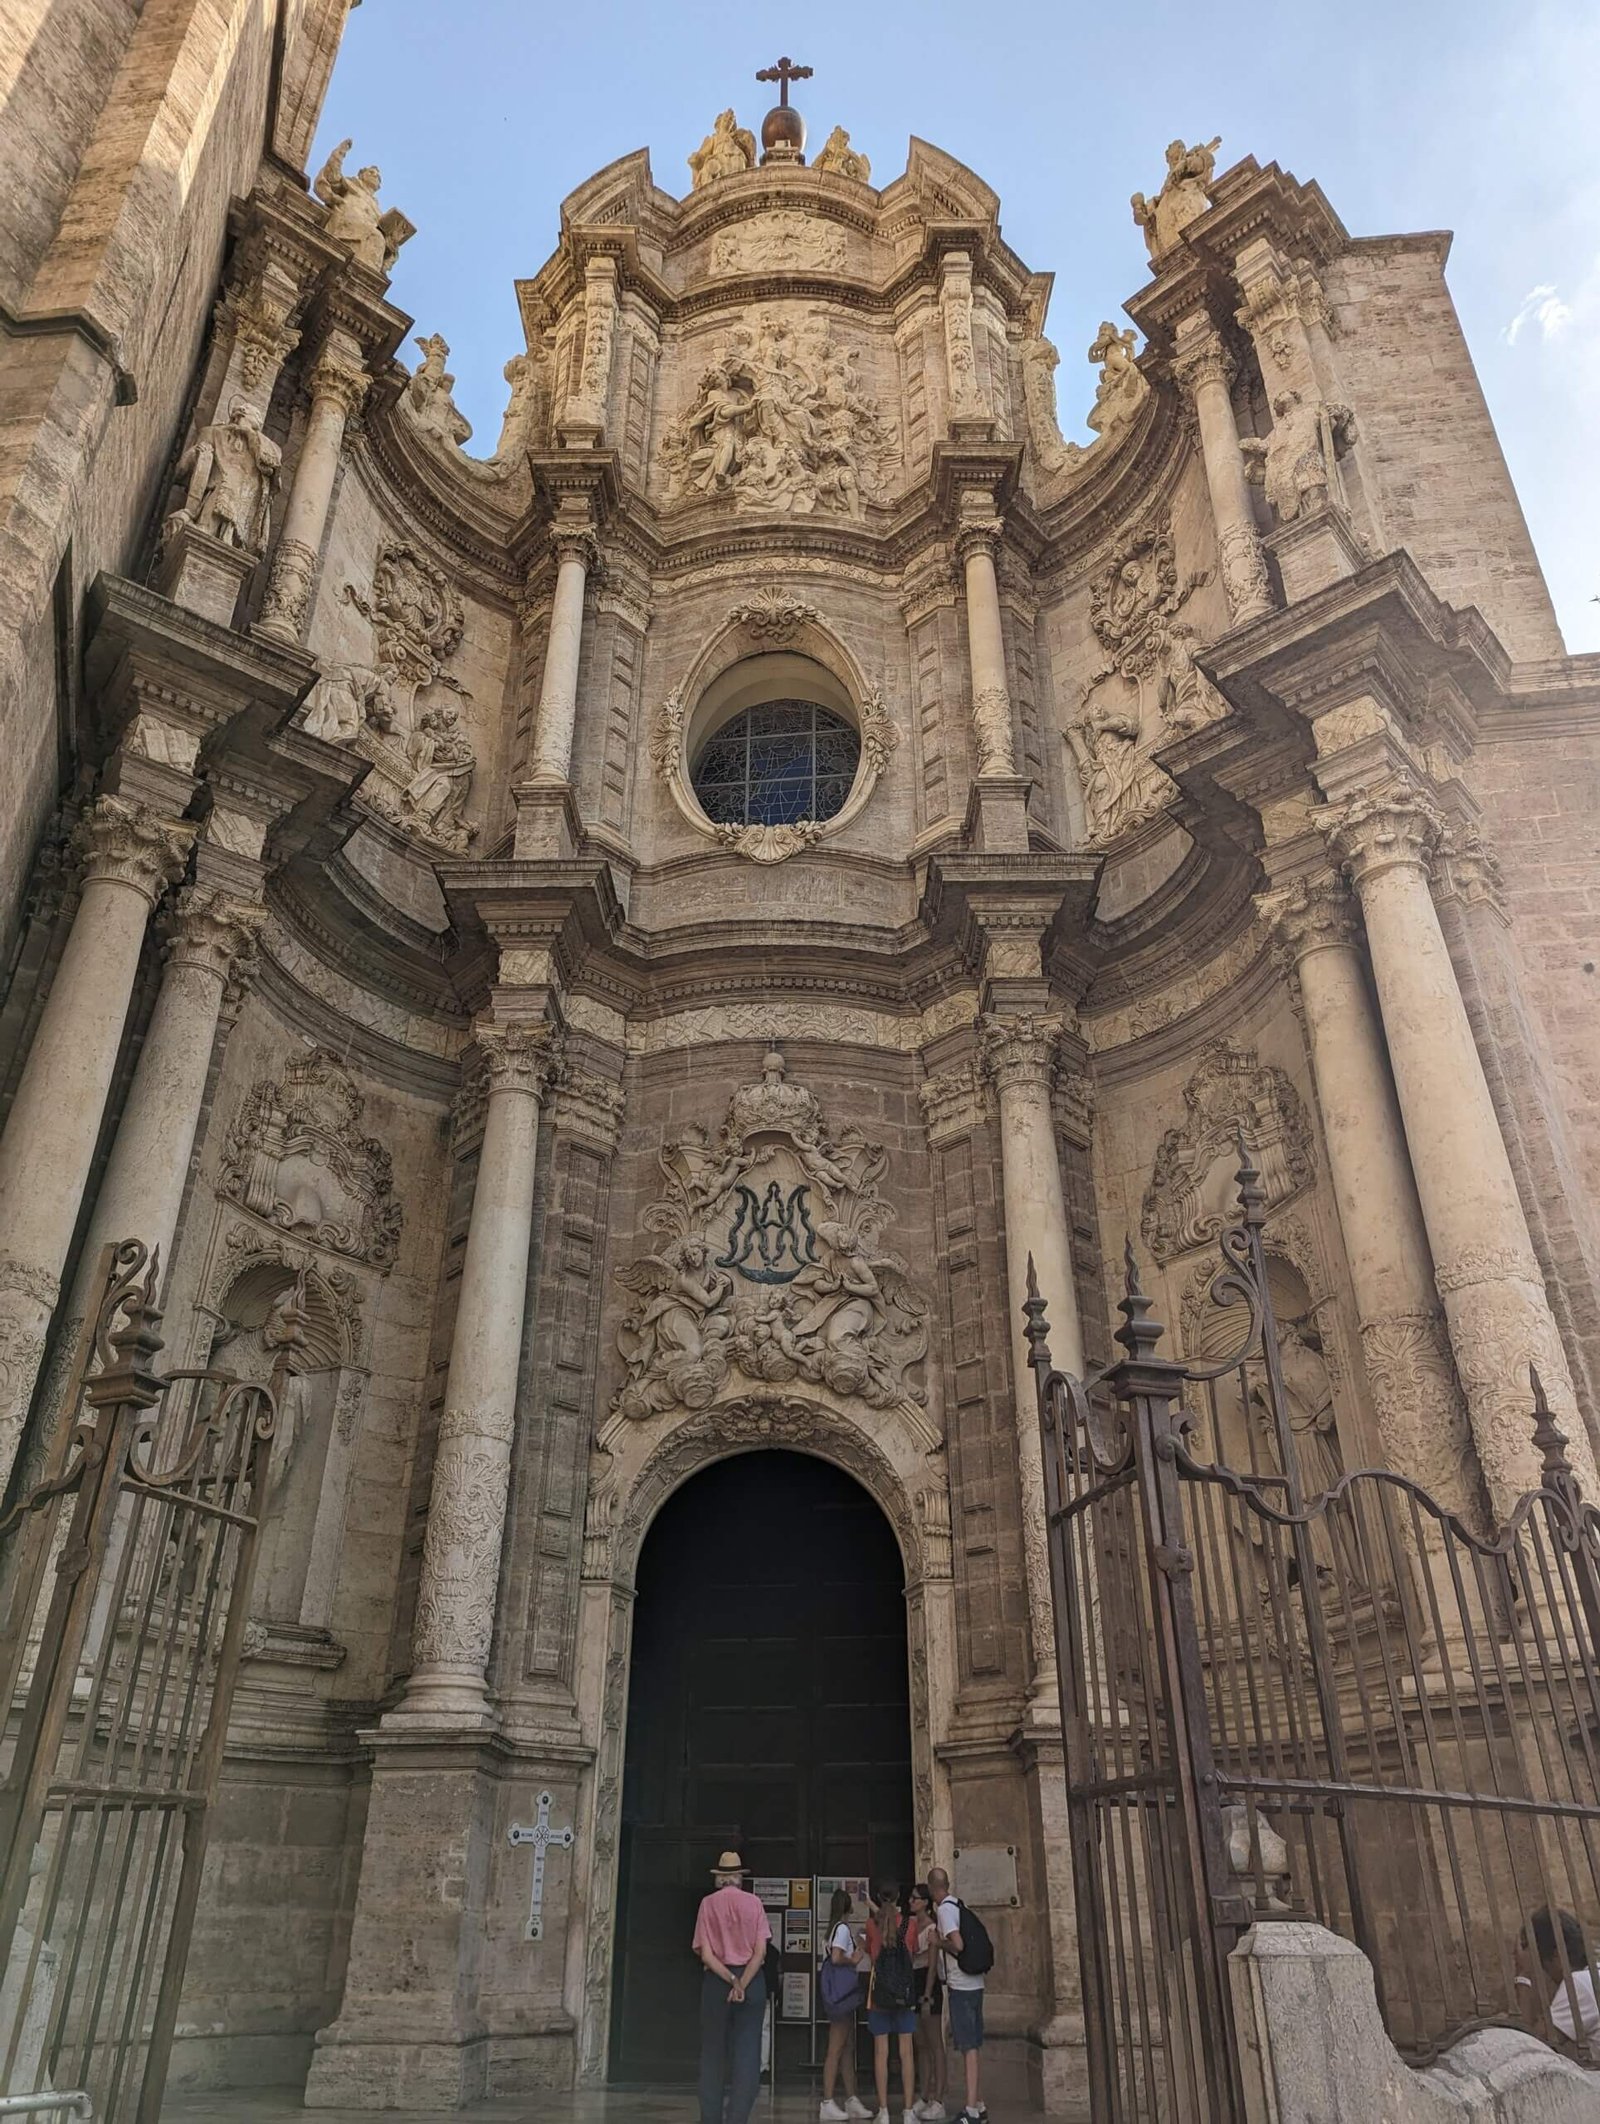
(1317, 549)
(385, 2072)
(548, 825)
(202, 574)
(997, 814)
(443, 1699)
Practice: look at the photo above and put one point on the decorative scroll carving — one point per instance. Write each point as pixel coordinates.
(838, 155)
(771, 1268)
(727, 150)
(370, 233)
(780, 241)
(295, 1157)
(427, 397)
(1184, 196)
(773, 616)
(780, 424)
(1189, 1196)
(1298, 462)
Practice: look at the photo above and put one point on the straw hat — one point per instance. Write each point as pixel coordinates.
(730, 1862)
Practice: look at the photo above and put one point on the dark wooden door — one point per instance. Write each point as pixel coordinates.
(767, 1710)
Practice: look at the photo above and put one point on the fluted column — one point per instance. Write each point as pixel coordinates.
(991, 698)
(1202, 366)
(338, 384)
(576, 554)
(472, 1468)
(1422, 1419)
(1484, 1264)
(131, 856)
(1020, 1055)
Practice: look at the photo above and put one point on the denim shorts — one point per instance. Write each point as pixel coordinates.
(892, 2020)
(966, 2019)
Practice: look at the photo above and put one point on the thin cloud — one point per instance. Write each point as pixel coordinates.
(1543, 308)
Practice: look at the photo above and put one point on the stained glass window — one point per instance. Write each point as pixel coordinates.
(777, 764)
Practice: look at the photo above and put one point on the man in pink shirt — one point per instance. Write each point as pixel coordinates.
(731, 1935)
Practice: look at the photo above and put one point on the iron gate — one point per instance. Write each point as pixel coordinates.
(1351, 1706)
(117, 1670)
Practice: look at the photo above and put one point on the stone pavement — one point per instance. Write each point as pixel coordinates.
(675, 2105)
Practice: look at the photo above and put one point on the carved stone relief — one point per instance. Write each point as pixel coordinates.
(295, 1157)
(398, 711)
(781, 241)
(771, 1270)
(1190, 1195)
(780, 423)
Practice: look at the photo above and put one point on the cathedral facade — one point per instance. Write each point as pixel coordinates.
(615, 952)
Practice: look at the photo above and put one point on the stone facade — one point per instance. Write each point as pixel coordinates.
(1225, 771)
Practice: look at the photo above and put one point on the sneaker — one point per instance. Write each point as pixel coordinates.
(932, 2113)
(908, 2116)
(855, 2107)
(882, 2117)
(831, 2113)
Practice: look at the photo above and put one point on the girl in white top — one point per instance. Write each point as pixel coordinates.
(840, 2063)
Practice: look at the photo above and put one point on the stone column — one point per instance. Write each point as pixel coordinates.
(1201, 364)
(1422, 1420)
(132, 855)
(1019, 1055)
(977, 545)
(576, 553)
(472, 1470)
(1484, 1264)
(338, 385)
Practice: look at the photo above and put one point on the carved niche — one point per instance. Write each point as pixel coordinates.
(295, 1157)
(1191, 1191)
(780, 423)
(400, 710)
(770, 1268)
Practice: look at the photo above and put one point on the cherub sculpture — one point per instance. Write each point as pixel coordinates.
(231, 469)
(1122, 388)
(372, 234)
(428, 395)
(1184, 196)
(727, 149)
(839, 156)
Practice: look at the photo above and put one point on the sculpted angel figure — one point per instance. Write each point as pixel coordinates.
(845, 1310)
(727, 149)
(428, 398)
(1294, 464)
(443, 760)
(1184, 196)
(838, 155)
(1122, 389)
(674, 1346)
(372, 234)
(231, 469)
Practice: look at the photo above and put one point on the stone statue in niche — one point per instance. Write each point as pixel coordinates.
(772, 1270)
(1297, 463)
(839, 156)
(1184, 196)
(1191, 1191)
(231, 469)
(1313, 1428)
(295, 1157)
(1122, 388)
(780, 423)
(372, 234)
(727, 149)
(427, 397)
(444, 763)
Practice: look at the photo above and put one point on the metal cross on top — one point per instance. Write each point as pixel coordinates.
(540, 1836)
(783, 73)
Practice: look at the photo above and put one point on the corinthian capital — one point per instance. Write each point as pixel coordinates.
(575, 542)
(336, 381)
(217, 933)
(1392, 828)
(1312, 914)
(130, 845)
(1020, 1052)
(979, 534)
(520, 1058)
(1199, 357)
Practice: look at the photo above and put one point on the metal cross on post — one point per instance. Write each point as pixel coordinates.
(541, 1836)
(783, 73)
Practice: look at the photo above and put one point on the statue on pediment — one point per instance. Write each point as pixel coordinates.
(370, 233)
(1122, 389)
(427, 398)
(839, 156)
(726, 151)
(1184, 196)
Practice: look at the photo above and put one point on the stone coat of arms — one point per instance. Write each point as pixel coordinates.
(771, 1267)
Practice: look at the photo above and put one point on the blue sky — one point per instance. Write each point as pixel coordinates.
(1477, 117)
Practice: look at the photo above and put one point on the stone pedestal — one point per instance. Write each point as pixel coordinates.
(202, 573)
(997, 814)
(1317, 549)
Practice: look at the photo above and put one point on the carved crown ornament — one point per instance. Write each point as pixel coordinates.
(1190, 1195)
(295, 1157)
(769, 1268)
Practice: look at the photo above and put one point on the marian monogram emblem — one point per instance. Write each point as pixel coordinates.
(771, 1267)
(770, 1241)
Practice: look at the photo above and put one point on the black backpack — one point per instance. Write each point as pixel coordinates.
(894, 1982)
(977, 1949)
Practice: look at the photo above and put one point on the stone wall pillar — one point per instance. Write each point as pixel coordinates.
(132, 855)
(583, 422)
(471, 1473)
(338, 385)
(1202, 366)
(966, 402)
(1020, 1056)
(1422, 1419)
(991, 697)
(576, 554)
(1494, 1296)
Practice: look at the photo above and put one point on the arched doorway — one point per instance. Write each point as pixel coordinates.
(767, 1709)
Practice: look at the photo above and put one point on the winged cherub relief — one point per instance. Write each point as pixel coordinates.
(772, 1268)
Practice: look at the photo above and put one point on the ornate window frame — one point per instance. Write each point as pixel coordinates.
(801, 657)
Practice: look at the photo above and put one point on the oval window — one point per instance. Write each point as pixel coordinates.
(777, 764)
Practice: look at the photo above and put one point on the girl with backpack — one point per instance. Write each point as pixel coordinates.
(891, 2007)
(839, 1987)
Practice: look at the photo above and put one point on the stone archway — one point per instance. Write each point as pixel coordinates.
(621, 1511)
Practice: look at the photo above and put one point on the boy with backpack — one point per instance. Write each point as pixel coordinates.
(892, 2006)
(968, 1956)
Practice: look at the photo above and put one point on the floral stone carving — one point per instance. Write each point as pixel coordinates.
(1190, 1195)
(398, 711)
(771, 1269)
(780, 424)
(296, 1157)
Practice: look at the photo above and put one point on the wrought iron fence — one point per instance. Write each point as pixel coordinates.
(1349, 1706)
(116, 1675)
